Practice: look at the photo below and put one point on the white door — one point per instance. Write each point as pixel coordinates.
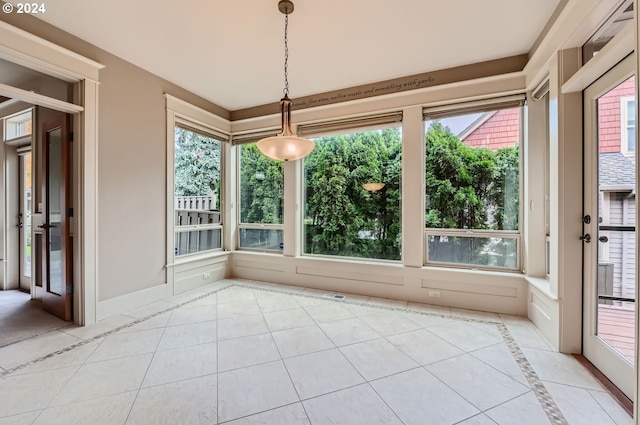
(610, 225)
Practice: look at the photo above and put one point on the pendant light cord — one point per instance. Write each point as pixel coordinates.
(286, 56)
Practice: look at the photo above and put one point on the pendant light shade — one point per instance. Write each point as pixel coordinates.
(373, 187)
(285, 146)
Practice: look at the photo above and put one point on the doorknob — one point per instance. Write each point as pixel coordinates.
(603, 239)
(586, 238)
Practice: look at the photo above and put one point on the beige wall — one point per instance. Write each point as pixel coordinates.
(131, 164)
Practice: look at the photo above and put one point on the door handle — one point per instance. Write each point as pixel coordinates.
(586, 238)
(44, 226)
(603, 239)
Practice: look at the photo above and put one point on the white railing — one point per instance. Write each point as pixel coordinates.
(199, 203)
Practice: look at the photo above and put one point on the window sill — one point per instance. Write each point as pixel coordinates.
(486, 272)
(543, 285)
(198, 257)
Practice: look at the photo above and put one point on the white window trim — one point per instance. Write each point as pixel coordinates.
(256, 226)
(624, 124)
(449, 111)
(183, 113)
(394, 123)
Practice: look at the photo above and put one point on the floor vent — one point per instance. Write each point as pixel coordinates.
(334, 296)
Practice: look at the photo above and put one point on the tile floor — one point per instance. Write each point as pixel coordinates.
(248, 353)
(22, 318)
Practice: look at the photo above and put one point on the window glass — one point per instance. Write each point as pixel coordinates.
(197, 192)
(352, 195)
(261, 200)
(472, 180)
(18, 125)
(631, 125)
(622, 17)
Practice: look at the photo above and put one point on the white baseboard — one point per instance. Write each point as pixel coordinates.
(123, 303)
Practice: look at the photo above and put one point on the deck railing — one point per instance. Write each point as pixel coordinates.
(198, 203)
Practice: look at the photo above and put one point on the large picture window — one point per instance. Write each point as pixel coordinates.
(198, 178)
(345, 213)
(261, 193)
(472, 197)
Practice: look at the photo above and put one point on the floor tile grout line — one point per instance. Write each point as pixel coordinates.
(578, 387)
(110, 332)
(368, 383)
(145, 375)
(476, 415)
(261, 412)
(553, 412)
(544, 398)
(284, 363)
(495, 368)
(606, 411)
(539, 390)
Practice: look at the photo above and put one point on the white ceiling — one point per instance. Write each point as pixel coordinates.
(231, 52)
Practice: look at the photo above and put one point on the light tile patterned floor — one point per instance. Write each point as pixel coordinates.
(248, 353)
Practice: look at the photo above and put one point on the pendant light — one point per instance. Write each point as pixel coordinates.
(285, 146)
(373, 187)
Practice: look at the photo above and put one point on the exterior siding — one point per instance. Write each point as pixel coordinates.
(609, 116)
(502, 129)
(620, 250)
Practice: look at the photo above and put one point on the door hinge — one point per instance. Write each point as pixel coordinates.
(70, 136)
(69, 288)
(69, 212)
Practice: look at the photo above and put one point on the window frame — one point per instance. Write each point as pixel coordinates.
(253, 226)
(435, 113)
(624, 124)
(187, 125)
(186, 116)
(344, 126)
(10, 121)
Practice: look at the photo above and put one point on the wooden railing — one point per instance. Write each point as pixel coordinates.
(197, 203)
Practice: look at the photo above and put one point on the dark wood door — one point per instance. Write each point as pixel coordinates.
(57, 271)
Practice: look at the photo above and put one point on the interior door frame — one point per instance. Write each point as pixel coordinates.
(26, 223)
(616, 367)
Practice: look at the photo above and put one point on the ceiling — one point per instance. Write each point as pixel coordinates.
(232, 52)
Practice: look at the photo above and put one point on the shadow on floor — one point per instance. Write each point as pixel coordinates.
(22, 318)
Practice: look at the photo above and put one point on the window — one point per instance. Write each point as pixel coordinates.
(611, 27)
(198, 178)
(628, 124)
(343, 215)
(261, 200)
(547, 190)
(18, 125)
(472, 180)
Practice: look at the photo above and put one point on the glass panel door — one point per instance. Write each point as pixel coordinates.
(610, 226)
(57, 242)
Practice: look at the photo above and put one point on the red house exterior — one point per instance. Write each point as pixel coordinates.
(609, 116)
(494, 130)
